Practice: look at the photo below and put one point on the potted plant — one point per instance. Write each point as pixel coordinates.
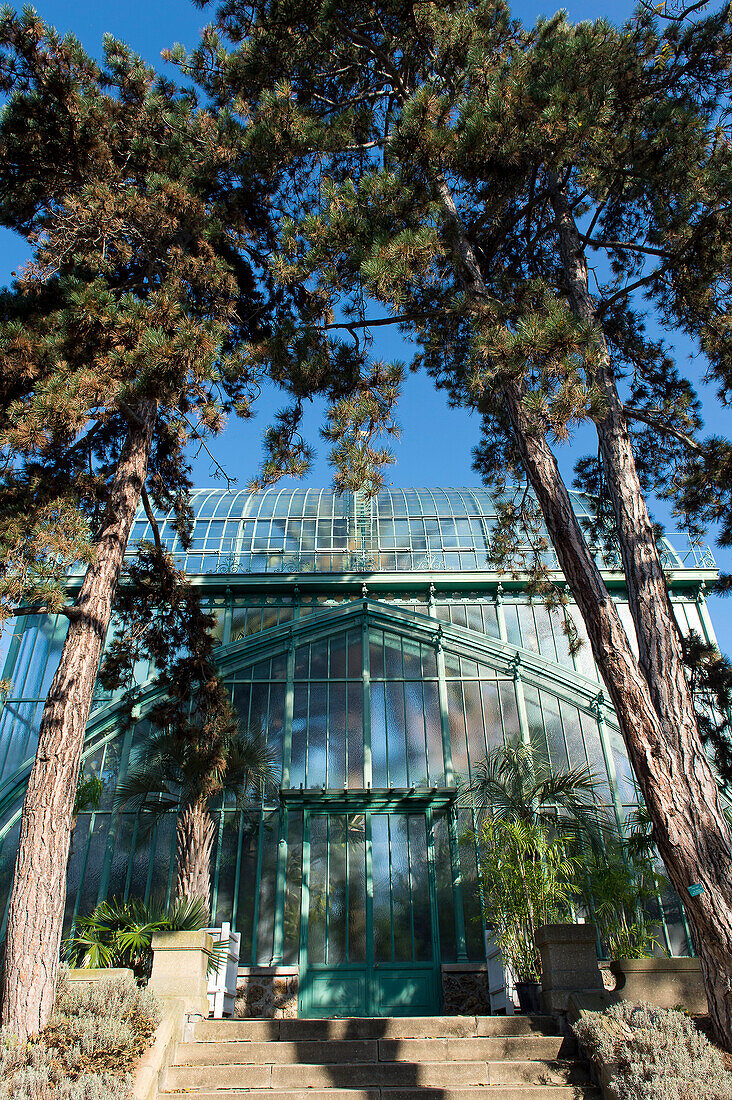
(527, 880)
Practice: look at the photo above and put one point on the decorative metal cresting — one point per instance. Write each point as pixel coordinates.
(365, 540)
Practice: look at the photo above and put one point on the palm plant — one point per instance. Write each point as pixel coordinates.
(185, 773)
(119, 933)
(512, 785)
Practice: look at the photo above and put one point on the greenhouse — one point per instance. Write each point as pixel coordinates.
(384, 656)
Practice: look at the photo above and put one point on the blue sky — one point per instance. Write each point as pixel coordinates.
(436, 442)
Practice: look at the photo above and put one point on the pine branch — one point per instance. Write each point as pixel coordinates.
(665, 429)
(626, 246)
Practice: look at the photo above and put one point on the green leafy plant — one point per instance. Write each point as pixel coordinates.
(619, 886)
(527, 879)
(119, 933)
(514, 784)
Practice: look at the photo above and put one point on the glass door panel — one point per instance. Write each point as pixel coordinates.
(367, 941)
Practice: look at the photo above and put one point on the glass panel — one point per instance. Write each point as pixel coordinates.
(415, 725)
(318, 888)
(338, 657)
(509, 709)
(443, 883)
(317, 717)
(337, 735)
(337, 889)
(421, 913)
(536, 724)
(293, 889)
(471, 886)
(356, 889)
(491, 716)
(396, 734)
(227, 868)
(265, 922)
(554, 733)
(456, 720)
(433, 733)
(381, 886)
(378, 736)
(355, 735)
(299, 739)
(247, 893)
(401, 888)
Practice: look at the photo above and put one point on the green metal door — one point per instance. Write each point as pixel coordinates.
(368, 930)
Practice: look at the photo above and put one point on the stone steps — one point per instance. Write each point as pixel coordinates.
(420, 1058)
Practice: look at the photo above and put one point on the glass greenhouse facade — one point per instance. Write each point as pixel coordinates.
(383, 656)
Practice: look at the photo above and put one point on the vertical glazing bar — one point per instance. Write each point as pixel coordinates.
(369, 915)
(410, 877)
(237, 870)
(289, 710)
(280, 891)
(607, 755)
(304, 913)
(501, 614)
(116, 816)
(217, 870)
(257, 885)
(228, 616)
(327, 887)
(457, 888)
(444, 720)
(523, 717)
(366, 684)
(432, 880)
(391, 884)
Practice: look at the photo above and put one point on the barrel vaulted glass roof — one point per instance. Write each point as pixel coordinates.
(314, 530)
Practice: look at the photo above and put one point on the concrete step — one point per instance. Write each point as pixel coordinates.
(500, 1092)
(321, 1051)
(359, 1027)
(369, 1075)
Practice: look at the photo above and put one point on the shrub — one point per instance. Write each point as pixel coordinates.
(655, 1053)
(97, 1033)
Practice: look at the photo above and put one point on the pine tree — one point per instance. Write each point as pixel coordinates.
(146, 317)
(458, 171)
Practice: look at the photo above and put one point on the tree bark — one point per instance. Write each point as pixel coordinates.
(673, 772)
(689, 827)
(195, 834)
(38, 893)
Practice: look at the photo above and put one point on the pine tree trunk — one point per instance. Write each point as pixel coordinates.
(38, 894)
(689, 826)
(195, 834)
(673, 772)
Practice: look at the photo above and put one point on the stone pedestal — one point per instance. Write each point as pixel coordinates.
(465, 989)
(179, 973)
(568, 964)
(267, 992)
(667, 983)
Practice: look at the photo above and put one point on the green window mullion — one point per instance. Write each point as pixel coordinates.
(501, 614)
(305, 895)
(327, 888)
(257, 885)
(280, 888)
(348, 879)
(432, 880)
(444, 720)
(523, 717)
(217, 869)
(237, 872)
(391, 886)
(457, 888)
(116, 816)
(289, 710)
(366, 700)
(131, 857)
(410, 875)
(151, 862)
(227, 616)
(77, 900)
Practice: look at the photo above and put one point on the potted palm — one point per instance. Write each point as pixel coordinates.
(527, 880)
(534, 821)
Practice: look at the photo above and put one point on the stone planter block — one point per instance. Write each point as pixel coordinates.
(667, 983)
(179, 973)
(568, 963)
(465, 989)
(100, 974)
